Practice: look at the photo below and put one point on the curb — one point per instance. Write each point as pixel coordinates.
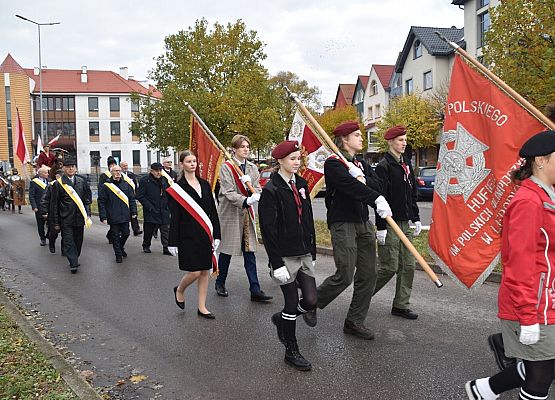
(80, 387)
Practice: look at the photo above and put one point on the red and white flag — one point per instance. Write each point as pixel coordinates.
(482, 134)
(39, 145)
(313, 152)
(55, 139)
(20, 145)
(209, 157)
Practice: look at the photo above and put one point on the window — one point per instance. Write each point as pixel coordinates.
(70, 103)
(417, 49)
(408, 86)
(64, 104)
(377, 111)
(148, 157)
(427, 80)
(136, 157)
(114, 104)
(58, 103)
(115, 128)
(483, 26)
(373, 88)
(117, 155)
(50, 103)
(134, 128)
(370, 113)
(134, 106)
(93, 103)
(69, 128)
(483, 3)
(93, 129)
(95, 158)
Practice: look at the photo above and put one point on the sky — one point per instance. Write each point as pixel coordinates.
(324, 42)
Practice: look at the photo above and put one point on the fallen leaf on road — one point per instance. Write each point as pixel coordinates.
(87, 374)
(137, 378)
(120, 382)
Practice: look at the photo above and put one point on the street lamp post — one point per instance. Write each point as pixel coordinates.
(39, 24)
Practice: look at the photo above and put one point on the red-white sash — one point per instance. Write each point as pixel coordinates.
(199, 215)
(240, 185)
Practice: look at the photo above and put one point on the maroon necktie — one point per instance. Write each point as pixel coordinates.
(297, 199)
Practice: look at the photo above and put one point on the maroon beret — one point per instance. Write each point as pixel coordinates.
(285, 148)
(392, 133)
(346, 128)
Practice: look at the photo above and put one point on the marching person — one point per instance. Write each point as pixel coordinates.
(351, 187)
(17, 194)
(167, 164)
(526, 299)
(131, 179)
(194, 231)
(71, 199)
(105, 177)
(399, 189)
(46, 157)
(237, 217)
(151, 193)
(116, 206)
(287, 227)
(37, 188)
(46, 206)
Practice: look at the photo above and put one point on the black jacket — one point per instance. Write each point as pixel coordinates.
(152, 195)
(36, 193)
(131, 176)
(111, 207)
(399, 193)
(347, 199)
(64, 211)
(172, 174)
(282, 234)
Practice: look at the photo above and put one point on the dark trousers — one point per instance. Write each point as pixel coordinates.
(72, 241)
(52, 236)
(120, 233)
(249, 260)
(41, 222)
(149, 228)
(135, 225)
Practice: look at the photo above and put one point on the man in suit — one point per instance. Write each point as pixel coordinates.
(168, 163)
(37, 188)
(129, 177)
(105, 177)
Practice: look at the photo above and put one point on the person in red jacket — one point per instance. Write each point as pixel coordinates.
(526, 299)
(46, 158)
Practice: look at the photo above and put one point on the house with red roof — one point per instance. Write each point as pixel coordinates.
(344, 95)
(358, 96)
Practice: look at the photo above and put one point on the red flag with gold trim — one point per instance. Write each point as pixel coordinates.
(209, 157)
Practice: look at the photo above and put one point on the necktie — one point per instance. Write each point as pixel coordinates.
(244, 168)
(297, 199)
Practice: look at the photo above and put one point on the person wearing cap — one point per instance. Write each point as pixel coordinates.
(167, 163)
(37, 188)
(125, 173)
(103, 178)
(151, 193)
(46, 205)
(287, 227)
(67, 217)
(351, 186)
(399, 189)
(46, 157)
(236, 211)
(526, 299)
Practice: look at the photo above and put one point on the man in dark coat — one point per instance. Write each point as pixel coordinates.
(116, 206)
(68, 216)
(152, 195)
(167, 164)
(125, 173)
(103, 178)
(46, 205)
(37, 188)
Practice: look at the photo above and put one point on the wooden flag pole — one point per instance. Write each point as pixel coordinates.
(500, 83)
(326, 140)
(219, 145)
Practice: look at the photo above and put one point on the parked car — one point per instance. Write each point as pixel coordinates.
(425, 182)
(265, 176)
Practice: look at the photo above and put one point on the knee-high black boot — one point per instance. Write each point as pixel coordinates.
(292, 355)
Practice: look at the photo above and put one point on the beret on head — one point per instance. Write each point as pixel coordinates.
(346, 128)
(541, 144)
(392, 133)
(285, 148)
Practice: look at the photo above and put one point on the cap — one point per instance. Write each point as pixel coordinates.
(392, 133)
(540, 144)
(70, 160)
(285, 148)
(346, 128)
(156, 165)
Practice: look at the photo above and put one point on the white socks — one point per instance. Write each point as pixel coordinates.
(485, 390)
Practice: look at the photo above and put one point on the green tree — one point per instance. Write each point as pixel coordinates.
(521, 48)
(333, 117)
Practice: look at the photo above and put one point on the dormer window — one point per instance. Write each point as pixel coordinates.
(417, 49)
(373, 88)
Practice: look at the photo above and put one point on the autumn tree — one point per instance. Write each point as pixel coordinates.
(333, 117)
(521, 47)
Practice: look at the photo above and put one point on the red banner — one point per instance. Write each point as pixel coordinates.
(482, 134)
(209, 157)
(20, 145)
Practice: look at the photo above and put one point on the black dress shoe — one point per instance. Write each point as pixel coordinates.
(207, 316)
(166, 252)
(138, 233)
(180, 304)
(43, 242)
(146, 249)
(260, 297)
(220, 290)
(123, 254)
(496, 345)
(278, 322)
(52, 249)
(294, 358)
(357, 329)
(119, 260)
(310, 318)
(404, 313)
(73, 268)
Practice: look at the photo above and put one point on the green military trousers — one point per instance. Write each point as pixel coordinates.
(354, 253)
(395, 258)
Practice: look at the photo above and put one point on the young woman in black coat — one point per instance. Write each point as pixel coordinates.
(187, 239)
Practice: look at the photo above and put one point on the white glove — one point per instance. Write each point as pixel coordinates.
(382, 207)
(313, 263)
(417, 229)
(354, 170)
(245, 178)
(216, 244)
(253, 198)
(380, 236)
(281, 274)
(173, 251)
(529, 334)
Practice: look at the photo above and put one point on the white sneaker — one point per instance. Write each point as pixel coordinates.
(472, 391)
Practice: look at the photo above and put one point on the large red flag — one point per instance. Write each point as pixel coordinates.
(313, 152)
(209, 157)
(483, 131)
(20, 145)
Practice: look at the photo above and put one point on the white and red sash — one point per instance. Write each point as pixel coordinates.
(240, 185)
(199, 215)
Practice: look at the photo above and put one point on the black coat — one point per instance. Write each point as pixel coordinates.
(172, 174)
(195, 249)
(152, 195)
(133, 177)
(35, 194)
(399, 193)
(112, 208)
(282, 234)
(347, 199)
(64, 211)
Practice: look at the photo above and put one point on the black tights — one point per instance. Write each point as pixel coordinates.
(538, 378)
(293, 307)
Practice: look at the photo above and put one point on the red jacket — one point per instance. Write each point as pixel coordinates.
(527, 286)
(47, 160)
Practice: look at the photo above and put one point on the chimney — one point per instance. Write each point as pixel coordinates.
(84, 74)
(36, 71)
(123, 72)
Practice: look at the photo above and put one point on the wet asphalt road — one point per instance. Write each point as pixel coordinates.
(120, 320)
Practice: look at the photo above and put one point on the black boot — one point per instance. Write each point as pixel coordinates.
(294, 358)
(278, 322)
